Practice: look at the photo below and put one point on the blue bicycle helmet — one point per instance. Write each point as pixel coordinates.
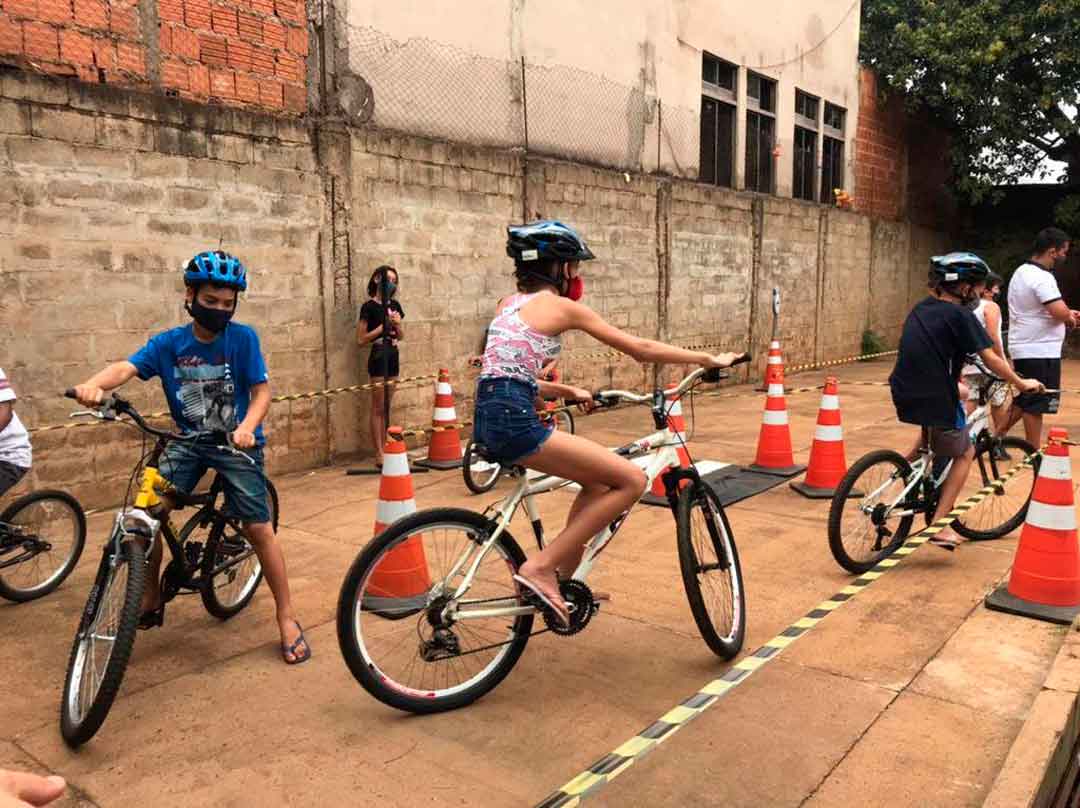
(216, 267)
(959, 266)
(546, 239)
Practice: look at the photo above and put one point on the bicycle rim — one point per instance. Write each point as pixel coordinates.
(712, 576)
(482, 474)
(395, 638)
(51, 520)
(1003, 511)
(91, 660)
(233, 585)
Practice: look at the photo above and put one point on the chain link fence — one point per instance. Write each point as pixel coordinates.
(423, 87)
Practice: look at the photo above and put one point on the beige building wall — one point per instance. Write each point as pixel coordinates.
(652, 46)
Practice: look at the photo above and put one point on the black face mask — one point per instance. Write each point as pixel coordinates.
(391, 287)
(213, 320)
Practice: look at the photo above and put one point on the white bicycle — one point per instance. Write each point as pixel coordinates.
(430, 618)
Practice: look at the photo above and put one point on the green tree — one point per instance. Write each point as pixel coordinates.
(1003, 75)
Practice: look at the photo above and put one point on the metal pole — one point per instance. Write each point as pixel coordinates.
(659, 130)
(525, 159)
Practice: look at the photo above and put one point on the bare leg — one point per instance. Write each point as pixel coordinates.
(950, 490)
(151, 596)
(375, 419)
(268, 549)
(609, 486)
(1033, 424)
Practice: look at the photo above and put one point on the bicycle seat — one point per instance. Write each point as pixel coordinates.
(481, 451)
(180, 500)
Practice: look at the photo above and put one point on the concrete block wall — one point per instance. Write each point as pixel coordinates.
(104, 194)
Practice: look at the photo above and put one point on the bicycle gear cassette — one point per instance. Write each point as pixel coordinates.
(581, 603)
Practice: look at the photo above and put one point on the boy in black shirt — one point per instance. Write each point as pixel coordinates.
(938, 334)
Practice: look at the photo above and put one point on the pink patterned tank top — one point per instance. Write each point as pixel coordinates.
(514, 349)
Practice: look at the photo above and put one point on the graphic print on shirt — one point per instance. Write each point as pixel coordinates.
(207, 393)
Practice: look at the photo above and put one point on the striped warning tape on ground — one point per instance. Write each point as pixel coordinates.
(624, 756)
(833, 362)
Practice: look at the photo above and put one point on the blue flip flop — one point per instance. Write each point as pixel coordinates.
(291, 649)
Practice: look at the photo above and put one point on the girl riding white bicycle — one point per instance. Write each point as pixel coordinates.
(524, 336)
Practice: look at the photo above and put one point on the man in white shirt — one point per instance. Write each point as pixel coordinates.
(15, 455)
(1038, 318)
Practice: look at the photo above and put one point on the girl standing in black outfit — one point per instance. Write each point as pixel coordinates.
(383, 364)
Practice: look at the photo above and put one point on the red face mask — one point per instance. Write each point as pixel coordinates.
(575, 288)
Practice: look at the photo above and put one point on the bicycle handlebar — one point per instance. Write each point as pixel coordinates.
(705, 374)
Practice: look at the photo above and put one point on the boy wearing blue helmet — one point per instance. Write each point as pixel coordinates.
(939, 333)
(215, 380)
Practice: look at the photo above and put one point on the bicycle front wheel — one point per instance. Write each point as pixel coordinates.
(564, 421)
(403, 636)
(710, 570)
(480, 475)
(103, 643)
(227, 593)
(41, 538)
(1004, 510)
(866, 521)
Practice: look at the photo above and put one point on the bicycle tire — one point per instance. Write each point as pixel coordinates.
(475, 480)
(17, 594)
(365, 670)
(691, 563)
(78, 730)
(990, 468)
(564, 420)
(843, 498)
(223, 536)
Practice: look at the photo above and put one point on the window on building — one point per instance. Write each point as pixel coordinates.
(803, 184)
(717, 120)
(832, 151)
(760, 133)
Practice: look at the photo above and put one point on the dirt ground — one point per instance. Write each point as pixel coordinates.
(909, 695)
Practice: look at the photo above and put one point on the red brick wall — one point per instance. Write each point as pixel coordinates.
(235, 52)
(880, 151)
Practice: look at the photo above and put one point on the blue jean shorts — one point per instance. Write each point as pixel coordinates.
(506, 422)
(184, 464)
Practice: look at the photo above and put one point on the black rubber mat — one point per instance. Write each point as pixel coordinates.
(732, 484)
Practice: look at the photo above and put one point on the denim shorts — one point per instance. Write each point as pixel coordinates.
(184, 464)
(506, 422)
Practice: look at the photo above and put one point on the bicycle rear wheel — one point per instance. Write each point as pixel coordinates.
(41, 538)
(226, 594)
(1003, 511)
(710, 570)
(480, 475)
(103, 643)
(863, 525)
(397, 625)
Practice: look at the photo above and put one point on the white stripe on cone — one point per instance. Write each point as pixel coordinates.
(830, 402)
(775, 360)
(1051, 517)
(774, 417)
(445, 414)
(1054, 467)
(828, 433)
(395, 464)
(388, 512)
(443, 389)
(774, 345)
(776, 390)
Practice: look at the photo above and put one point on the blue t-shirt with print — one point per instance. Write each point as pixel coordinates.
(207, 384)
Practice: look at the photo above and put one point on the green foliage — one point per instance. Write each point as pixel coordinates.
(1003, 75)
(873, 343)
(1067, 213)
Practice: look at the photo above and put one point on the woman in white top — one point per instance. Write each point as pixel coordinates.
(988, 313)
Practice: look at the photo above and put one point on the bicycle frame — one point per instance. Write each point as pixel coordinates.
(660, 445)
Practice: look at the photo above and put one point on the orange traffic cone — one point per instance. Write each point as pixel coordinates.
(774, 454)
(774, 367)
(678, 426)
(398, 585)
(444, 450)
(1045, 579)
(827, 462)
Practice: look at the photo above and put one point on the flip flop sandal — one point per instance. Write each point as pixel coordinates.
(945, 544)
(152, 618)
(562, 614)
(291, 649)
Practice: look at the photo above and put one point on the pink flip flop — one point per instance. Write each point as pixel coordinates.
(561, 613)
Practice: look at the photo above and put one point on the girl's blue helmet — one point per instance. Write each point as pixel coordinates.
(959, 266)
(216, 267)
(546, 239)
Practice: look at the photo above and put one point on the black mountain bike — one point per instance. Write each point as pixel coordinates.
(210, 555)
(41, 538)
